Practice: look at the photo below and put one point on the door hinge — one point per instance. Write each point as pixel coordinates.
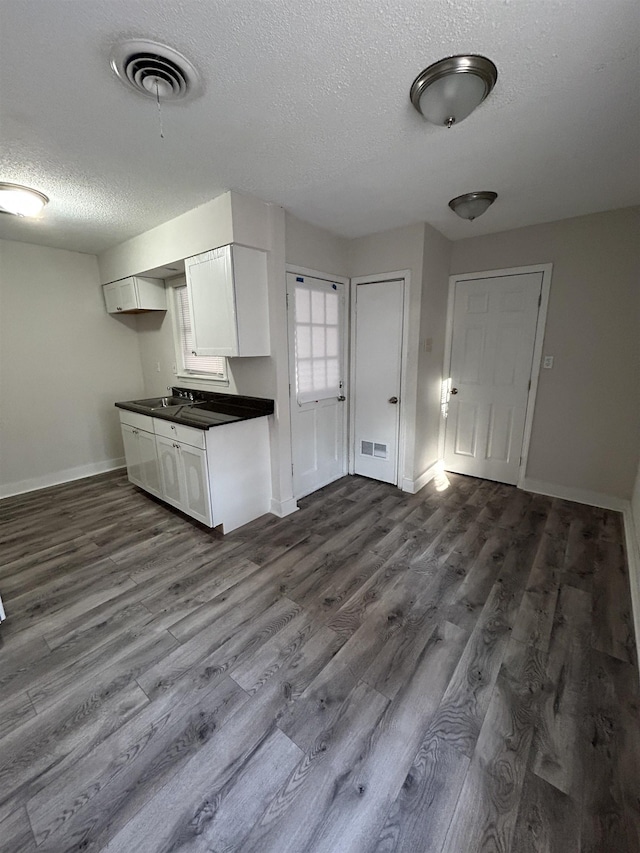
(539, 300)
(292, 469)
(527, 389)
(287, 298)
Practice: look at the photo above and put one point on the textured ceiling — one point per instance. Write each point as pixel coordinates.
(306, 105)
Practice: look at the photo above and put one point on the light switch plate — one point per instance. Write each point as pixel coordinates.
(548, 362)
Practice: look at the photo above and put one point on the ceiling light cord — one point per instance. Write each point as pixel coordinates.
(159, 110)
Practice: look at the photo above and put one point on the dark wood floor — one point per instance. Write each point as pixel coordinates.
(451, 671)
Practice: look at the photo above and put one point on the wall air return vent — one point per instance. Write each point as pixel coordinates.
(155, 70)
(374, 448)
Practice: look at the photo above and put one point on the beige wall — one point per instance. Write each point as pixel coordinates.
(587, 419)
(63, 363)
(433, 320)
(315, 248)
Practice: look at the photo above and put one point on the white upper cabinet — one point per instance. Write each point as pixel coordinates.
(228, 302)
(134, 294)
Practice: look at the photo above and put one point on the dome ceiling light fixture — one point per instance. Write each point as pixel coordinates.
(155, 70)
(448, 91)
(21, 201)
(471, 205)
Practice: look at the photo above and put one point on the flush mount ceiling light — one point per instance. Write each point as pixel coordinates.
(155, 70)
(449, 90)
(21, 201)
(471, 205)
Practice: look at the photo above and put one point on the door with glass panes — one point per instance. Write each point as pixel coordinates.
(317, 343)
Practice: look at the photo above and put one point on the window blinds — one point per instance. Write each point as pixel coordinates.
(210, 364)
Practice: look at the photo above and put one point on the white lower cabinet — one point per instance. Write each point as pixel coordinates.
(217, 476)
(142, 460)
(185, 480)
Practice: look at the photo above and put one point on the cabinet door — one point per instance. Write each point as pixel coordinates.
(112, 297)
(193, 464)
(132, 455)
(169, 462)
(128, 296)
(148, 457)
(212, 303)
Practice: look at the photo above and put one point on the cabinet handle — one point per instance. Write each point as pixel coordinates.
(193, 352)
(173, 427)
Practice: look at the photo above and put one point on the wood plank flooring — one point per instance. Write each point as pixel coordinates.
(449, 671)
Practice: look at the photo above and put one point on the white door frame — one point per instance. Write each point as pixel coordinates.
(405, 277)
(546, 270)
(323, 276)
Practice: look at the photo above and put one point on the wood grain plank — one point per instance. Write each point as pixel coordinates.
(365, 792)
(559, 742)
(485, 815)
(15, 833)
(548, 820)
(222, 760)
(91, 802)
(296, 816)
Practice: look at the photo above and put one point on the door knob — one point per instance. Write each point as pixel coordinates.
(393, 399)
(454, 390)
(341, 398)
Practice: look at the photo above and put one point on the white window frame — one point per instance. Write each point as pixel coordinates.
(181, 371)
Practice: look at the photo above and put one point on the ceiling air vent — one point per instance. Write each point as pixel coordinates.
(155, 70)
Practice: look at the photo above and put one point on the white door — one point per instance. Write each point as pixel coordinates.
(317, 345)
(494, 328)
(378, 363)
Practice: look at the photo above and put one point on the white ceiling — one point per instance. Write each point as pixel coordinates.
(306, 104)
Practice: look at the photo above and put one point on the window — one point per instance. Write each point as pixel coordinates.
(205, 366)
(317, 341)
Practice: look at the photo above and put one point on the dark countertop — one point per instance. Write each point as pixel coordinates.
(207, 410)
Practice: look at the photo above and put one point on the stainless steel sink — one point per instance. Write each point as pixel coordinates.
(154, 403)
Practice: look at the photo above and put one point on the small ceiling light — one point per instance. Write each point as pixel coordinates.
(471, 205)
(449, 90)
(21, 201)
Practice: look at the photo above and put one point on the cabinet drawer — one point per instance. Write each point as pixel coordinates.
(179, 432)
(136, 420)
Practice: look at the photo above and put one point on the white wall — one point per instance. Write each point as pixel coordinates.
(433, 320)
(587, 419)
(315, 248)
(63, 363)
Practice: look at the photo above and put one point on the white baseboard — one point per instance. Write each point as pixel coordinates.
(632, 541)
(67, 476)
(283, 508)
(414, 486)
(568, 493)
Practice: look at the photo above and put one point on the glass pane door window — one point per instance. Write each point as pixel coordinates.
(318, 310)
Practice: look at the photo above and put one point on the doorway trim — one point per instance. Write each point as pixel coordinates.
(405, 277)
(546, 270)
(323, 276)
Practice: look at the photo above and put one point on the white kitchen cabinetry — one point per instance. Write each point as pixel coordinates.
(185, 478)
(228, 302)
(134, 294)
(140, 452)
(218, 476)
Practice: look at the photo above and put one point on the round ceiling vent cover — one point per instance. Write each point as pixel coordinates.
(155, 70)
